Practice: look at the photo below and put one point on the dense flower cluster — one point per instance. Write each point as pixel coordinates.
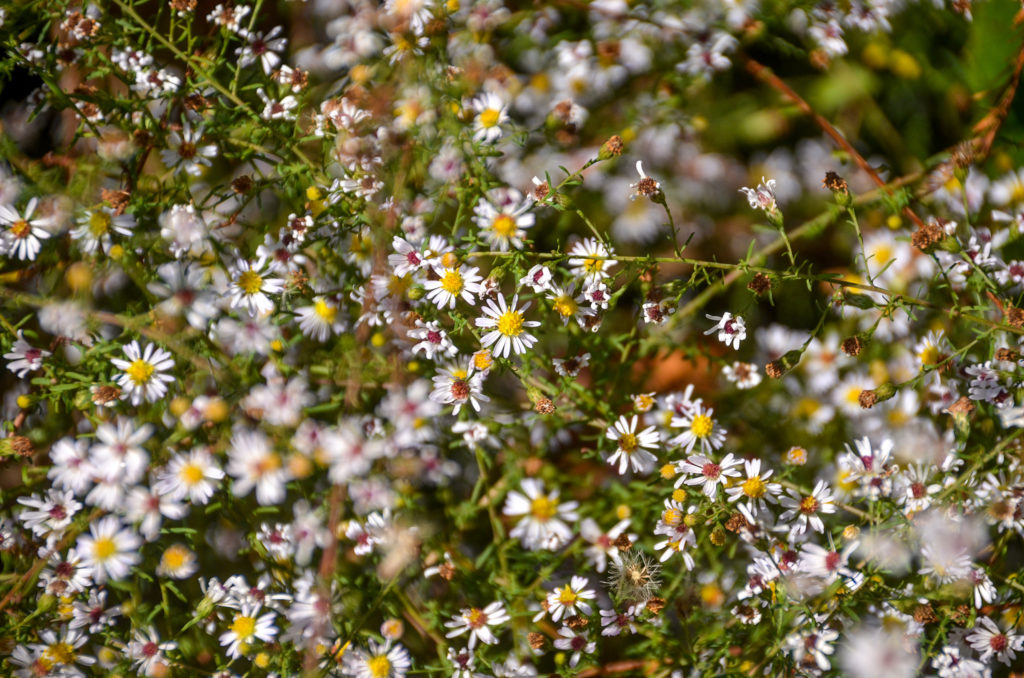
(359, 339)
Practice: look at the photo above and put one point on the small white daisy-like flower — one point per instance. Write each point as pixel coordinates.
(246, 627)
(744, 375)
(700, 428)
(806, 509)
(542, 522)
(504, 223)
(569, 600)
(508, 327)
(262, 48)
(458, 386)
(762, 197)
(632, 446)
(23, 234)
(754, 491)
(589, 260)
(23, 357)
(431, 340)
(491, 113)
(144, 371)
(381, 660)
(731, 329)
(147, 652)
(110, 550)
(253, 463)
(177, 562)
(95, 227)
(194, 475)
(701, 470)
(990, 641)
(570, 367)
(185, 151)
(407, 258)
(538, 278)
(596, 293)
(576, 642)
(568, 304)
(250, 285)
(645, 186)
(453, 282)
(320, 319)
(478, 622)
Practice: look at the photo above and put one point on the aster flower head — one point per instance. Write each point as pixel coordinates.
(507, 325)
(144, 376)
(542, 522)
(632, 447)
(762, 197)
(478, 623)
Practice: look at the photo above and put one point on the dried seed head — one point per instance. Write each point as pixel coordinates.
(544, 406)
(852, 346)
(1007, 354)
(536, 640)
(760, 284)
(577, 623)
(611, 148)
(634, 577)
(446, 571)
(774, 369)
(867, 399)
(1014, 316)
(655, 605)
(622, 542)
(116, 199)
(835, 183)
(961, 406)
(242, 184)
(928, 237)
(736, 522)
(925, 614)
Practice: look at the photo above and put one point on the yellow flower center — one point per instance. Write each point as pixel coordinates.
(566, 306)
(672, 516)
(175, 557)
(250, 282)
(99, 223)
(754, 487)
(543, 509)
(451, 282)
(20, 229)
(566, 596)
(808, 505)
(628, 443)
(668, 471)
(103, 548)
(140, 371)
(929, 355)
(325, 311)
(476, 618)
(191, 473)
(60, 653)
(243, 627)
(511, 323)
(593, 265)
(702, 426)
(489, 117)
(379, 667)
(482, 360)
(504, 226)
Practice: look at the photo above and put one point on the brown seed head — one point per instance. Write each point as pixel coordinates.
(242, 184)
(622, 542)
(116, 199)
(577, 623)
(961, 406)
(536, 640)
(611, 148)
(852, 346)
(925, 614)
(835, 183)
(544, 406)
(927, 237)
(774, 369)
(760, 284)
(1014, 316)
(867, 399)
(655, 605)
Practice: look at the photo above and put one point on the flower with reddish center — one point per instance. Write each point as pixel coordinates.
(700, 470)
